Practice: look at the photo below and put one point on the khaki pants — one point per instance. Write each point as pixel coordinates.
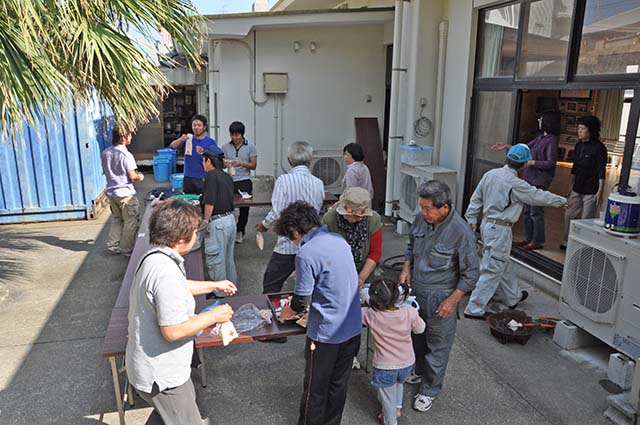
(580, 206)
(125, 213)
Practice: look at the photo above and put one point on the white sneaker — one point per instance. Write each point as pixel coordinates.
(114, 250)
(422, 403)
(414, 378)
(239, 237)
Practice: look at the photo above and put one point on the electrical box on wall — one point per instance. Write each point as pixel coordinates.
(276, 82)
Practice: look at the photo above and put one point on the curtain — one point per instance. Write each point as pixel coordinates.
(492, 50)
(610, 103)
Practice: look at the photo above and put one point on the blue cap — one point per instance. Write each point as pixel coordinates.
(519, 153)
(213, 150)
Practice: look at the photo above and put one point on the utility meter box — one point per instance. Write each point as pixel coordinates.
(276, 82)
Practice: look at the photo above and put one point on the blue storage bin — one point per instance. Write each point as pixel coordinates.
(170, 153)
(176, 181)
(161, 168)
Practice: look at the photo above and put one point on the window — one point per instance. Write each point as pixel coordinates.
(545, 43)
(610, 42)
(492, 124)
(497, 41)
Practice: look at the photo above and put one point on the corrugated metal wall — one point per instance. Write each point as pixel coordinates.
(55, 173)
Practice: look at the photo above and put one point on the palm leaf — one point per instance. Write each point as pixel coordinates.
(52, 48)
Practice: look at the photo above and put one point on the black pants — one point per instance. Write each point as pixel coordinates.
(193, 185)
(245, 186)
(326, 379)
(278, 270)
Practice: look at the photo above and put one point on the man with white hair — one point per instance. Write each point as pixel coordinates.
(297, 185)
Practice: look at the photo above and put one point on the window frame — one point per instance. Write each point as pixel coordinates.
(570, 81)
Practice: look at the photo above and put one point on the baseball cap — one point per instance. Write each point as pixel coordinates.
(519, 153)
(213, 150)
(355, 201)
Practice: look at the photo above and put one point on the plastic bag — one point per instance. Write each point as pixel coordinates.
(248, 318)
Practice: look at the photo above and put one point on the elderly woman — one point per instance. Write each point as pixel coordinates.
(360, 226)
(357, 174)
(162, 322)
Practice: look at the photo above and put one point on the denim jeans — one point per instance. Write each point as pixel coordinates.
(534, 224)
(218, 249)
(389, 389)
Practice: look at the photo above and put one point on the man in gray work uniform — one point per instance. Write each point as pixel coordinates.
(500, 197)
(441, 264)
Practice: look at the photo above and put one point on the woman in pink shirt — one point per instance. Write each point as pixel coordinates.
(393, 357)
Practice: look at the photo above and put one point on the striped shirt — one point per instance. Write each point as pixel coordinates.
(297, 185)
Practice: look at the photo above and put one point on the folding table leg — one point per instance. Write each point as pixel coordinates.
(130, 399)
(116, 387)
(203, 371)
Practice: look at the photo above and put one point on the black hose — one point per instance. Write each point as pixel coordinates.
(387, 264)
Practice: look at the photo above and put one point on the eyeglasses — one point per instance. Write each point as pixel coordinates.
(355, 212)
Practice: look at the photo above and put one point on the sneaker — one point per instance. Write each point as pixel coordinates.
(114, 250)
(523, 296)
(239, 237)
(476, 317)
(414, 378)
(127, 254)
(422, 403)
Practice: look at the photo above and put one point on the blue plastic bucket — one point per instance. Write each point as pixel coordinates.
(161, 168)
(169, 153)
(176, 181)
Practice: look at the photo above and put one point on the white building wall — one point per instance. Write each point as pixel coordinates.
(328, 88)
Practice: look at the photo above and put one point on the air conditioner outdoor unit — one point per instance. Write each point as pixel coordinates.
(600, 285)
(410, 180)
(328, 166)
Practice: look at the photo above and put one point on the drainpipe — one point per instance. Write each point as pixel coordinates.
(214, 83)
(393, 107)
(442, 59)
(410, 112)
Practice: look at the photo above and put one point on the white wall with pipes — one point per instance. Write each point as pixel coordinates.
(342, 79)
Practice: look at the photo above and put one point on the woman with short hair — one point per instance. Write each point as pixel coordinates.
(357, 174)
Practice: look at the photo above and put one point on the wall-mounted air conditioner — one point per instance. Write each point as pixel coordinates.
(600, 291)
(410, 180)
(328, 166)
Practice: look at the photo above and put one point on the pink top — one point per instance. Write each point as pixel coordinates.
(392, 335)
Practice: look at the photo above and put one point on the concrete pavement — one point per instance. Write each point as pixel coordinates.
(58, 285)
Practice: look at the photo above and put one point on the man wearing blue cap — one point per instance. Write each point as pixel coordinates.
(217, 202)
(500, 196)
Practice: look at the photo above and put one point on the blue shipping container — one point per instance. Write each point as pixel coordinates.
(55, 172)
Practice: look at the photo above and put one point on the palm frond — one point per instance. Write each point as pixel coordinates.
(53, 48)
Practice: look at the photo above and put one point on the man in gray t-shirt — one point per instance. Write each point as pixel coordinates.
(121, 171)
(240, 158)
